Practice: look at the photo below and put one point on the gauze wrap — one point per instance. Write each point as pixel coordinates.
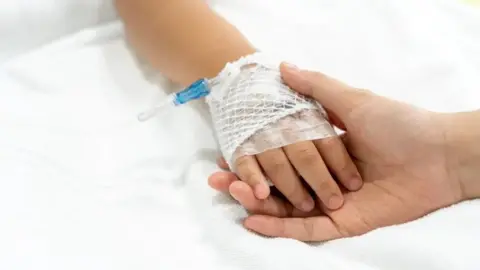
(253, 111)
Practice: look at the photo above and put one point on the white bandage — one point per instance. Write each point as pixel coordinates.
(254, 111)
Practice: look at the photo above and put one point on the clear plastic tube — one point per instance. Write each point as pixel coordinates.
(198, 89)
(167, 103)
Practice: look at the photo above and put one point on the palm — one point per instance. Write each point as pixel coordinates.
(403, 170)
(390, 195)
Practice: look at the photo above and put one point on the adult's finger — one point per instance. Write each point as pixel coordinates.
(319, 228)
(335, 96)
(249, 171)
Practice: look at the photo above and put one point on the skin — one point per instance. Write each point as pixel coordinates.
(412, 161)
(162, 31)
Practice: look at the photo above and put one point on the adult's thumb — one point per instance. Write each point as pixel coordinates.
(337, 97)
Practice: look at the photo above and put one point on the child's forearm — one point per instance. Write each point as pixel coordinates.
(464, 151)
(183, 39)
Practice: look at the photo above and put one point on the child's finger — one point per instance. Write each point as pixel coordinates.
(279, 170)
(249, 171)
(221, 181)
(222, 163)
(273, 206)
(338, 160)
(243, 193)
(310, 165)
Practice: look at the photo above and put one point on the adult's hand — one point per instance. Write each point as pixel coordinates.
(403, 153)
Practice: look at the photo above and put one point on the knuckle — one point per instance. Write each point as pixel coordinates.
(246, 171)
(308, 155)
(250, 177)
(341, 166)
(328, 142)
(325, 189)
(346, 231)
(276, 165)
(324, 185)
(241, 163)
(282, 229)
(293, 194)
(338, 160)
(309, 227)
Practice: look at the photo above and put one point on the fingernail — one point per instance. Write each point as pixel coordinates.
(335, 202)
(307, 205)
(355, 183)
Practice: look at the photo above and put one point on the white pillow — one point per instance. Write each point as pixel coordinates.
(27, 24)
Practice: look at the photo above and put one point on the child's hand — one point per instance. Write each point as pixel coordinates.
(296, 168)
(255, 112)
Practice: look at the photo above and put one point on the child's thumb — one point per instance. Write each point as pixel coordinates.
(335, 96)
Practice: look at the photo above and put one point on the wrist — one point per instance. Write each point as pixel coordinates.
(463, 152)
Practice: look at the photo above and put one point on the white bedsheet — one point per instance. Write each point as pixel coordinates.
(83, 185)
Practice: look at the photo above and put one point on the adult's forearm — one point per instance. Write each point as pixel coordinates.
(464, 151)
(183, 39)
